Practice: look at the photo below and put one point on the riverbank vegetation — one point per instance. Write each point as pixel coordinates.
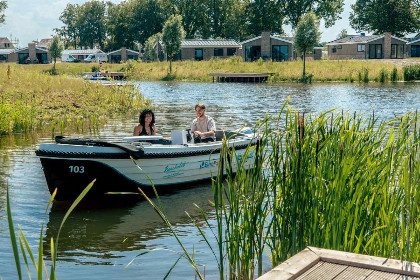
(31, 99)
(289, 71)
(336, 180)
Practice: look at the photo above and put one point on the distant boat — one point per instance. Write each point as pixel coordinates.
(95, 77)
(71, 164)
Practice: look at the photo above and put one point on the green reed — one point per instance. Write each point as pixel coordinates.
(335, 180)
(411, 72)
(25, 249)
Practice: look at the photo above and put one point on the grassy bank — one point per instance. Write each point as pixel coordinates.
(32, 99)
(322, 70)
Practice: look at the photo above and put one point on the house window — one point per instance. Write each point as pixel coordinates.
(231, 51)
(252, 53)
(280, 53)
(218, 52)
(361, 48)
(375, 51)
(22, 57)
(415, 51)
(339, 47)
(397, 51)
(3, 57)
(334, 49)
(198, 54)
(400, 51)
(116, 58)
(133, 57)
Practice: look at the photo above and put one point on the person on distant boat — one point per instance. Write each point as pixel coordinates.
(146, 124)
(203, 127)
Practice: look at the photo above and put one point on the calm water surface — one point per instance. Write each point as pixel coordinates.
(98, 241)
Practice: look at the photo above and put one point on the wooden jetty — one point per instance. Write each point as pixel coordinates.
(316, 263)
(240, 77)
(112, 75)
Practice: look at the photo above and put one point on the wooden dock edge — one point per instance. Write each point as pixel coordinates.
(305, 259)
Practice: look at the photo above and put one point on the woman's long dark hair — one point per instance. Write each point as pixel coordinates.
(143, 116)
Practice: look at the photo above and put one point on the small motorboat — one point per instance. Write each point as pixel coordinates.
(95, 77)
(123, 165)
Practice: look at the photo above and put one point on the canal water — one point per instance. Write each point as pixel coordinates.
(99, 241)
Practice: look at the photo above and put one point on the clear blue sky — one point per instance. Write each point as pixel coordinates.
(30, 20)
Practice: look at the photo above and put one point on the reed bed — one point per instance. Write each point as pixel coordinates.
(336, 180)
(30, 99)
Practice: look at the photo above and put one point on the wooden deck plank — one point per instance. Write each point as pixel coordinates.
(326, 271)
(354, 273)
(369, 262)
(292, 267)
(381, 275)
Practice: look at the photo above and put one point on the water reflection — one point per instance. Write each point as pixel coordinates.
(96, 230)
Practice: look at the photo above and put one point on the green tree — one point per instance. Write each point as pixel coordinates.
(70, 31)
(172, 35)
(328, 10)
(343, 33)
(3, 6)
(265, 15)
(195, 19)
(395, 16)
(91, 23)
(306, 36)
(55, 48)
(144, 18)
(118, 22)
(149, 50)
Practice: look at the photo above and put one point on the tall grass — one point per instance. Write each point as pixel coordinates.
(411, 72)
(31, 99)
(286, 71)
(338, 181)
(26, 250)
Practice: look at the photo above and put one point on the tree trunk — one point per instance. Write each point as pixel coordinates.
(304, 58)
(55, 60)
(170, 65)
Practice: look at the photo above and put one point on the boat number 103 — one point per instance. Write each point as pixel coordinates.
(77, 169)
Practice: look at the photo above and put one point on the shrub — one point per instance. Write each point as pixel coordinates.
(95, 68)
(394, 75)
(411, 72)
(365, 75)
(383, 75)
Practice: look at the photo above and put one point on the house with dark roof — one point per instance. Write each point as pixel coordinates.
(206, 49)
(384, 46)
(202, 49)
(29, 55)
(268, 46)
(123, 55)
(275, 47)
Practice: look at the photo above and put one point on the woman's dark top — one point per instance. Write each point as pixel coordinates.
(144, 132)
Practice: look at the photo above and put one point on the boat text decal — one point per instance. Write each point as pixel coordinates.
(170, 168)
(173, 175)
(212, 163)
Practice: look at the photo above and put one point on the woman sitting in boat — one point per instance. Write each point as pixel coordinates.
(146, 124)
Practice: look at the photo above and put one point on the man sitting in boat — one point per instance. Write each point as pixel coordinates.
(203, 127)
(146, 124)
